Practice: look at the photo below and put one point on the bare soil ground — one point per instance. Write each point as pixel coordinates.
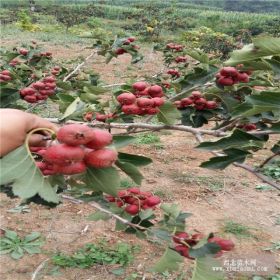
(213, 198)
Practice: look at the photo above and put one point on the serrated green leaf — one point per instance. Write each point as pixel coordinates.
(168, 113)
(64, 85)
(203, 251)
(19, 169)
(236, 140)
(122, 141)
(170, 261)
(221, 162)
(131, 171)
(106, 179)
(134, 159)
(66, 97)
(75, 108)
(199, 56)
(98, 215)
(261, 47)
(146, 214)
(95, 90)
(160, 233)
(207, 268)
(172, 210)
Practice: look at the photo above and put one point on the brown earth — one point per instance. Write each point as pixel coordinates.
(213, 197)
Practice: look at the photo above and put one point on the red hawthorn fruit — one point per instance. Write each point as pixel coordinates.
(229, 71)
(38, 85)
(178, 104)
(183, 251)
(41, 165)
(47, 172)
(27, 91)
(120, 51)
(200, 101)
(119, 203)
(199, 107)
(145, 194)
(186, 102)
(152, 201)
(30, 98)
(195, 238)
(55, 72)
(110, 198)
(196, 94)
(50, 85)
(2, 81)
(179, 236)
(34, 149)
(250, 126)
(132, 200)
(5, 77)
(50, 92)
(41, 97)
(179, 59)
(132, 109)
(74, 168)
(122, 193)
(211, 105)
(64, 154)
(101, 117)
(134, 190)
(49, 79)
(101, 158)
(153, 111)
(48, 54)
(88, 116)
(56, 68)
(23, 51)
(132, 209)
(154, 90)
(145, 102)
(166, 84)
(131, 39)
(225, 81)
(243, 77)
(126, 98)
(139, 86)
(100, 139)
(75, 134)
(6, 72)
(158, 101)
(226, 245)
(42, 152)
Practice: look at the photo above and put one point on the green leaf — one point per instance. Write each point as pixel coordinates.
(275, 127)
(276, 148)
(11, 234)
(172, 210)
(94, 89)
(266, 101)
(118, 271)
(206, 249)
(32, 250)
(75, 108)
(32, 236)
(207, 268)
(146, 214)
(66, 97)
(19, 169)
(168, 113)
(237, 139)
(122, 141)
(106, 179)
(261, 47)
(170, 261)
(17, 254)
(98, 215)
(221, 162)
(64, 85)
(199, 55)
(130, 170)
(134, 159)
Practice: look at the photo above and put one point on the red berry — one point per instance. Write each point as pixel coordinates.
(50, 85)
(64, 154)
(211, 105)
(153, 201)
(27, 91)
(155, 90)
(110, 198)
(119, 203)
(30, 98)
(158, 101)
(229, 71)
(100, 139)
(196, 94)
(186, 102)
(48, 54)
(179, 236)
(226, 245)
(140, 86)
(199, 107)
(38, 85)
(183, 251)
(145, 102)
(225, 81)
(56, 68)
(250, 126)
(153, 111)
(200, 101)
(178, 104)
(74, 168)
(131, 39)
(55, 72)
(88, 116)
(134, 190)
(132, 109)
(5, 77)
(122, 193)
(23, 51)
(101, 158)
(75, 134)
(101, 117)
(132, 209)
(6, 72)
(49, 79)
(243, 77)
(126, 98)
(120, 51)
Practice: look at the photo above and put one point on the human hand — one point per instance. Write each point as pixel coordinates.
(14, 127)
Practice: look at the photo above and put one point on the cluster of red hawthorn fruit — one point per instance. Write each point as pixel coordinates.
(79, 147)
(98, 116)
(39, 90)
(196, 100)
(229, 76)
(145, 99)
(128, 41)
(5, 76)
(174, 47)
(174, 73)
(248, 126)
(184, 241)
(133, 200)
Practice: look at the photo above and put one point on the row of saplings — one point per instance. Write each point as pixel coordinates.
(81, 146)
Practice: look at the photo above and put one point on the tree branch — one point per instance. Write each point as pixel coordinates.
(268, 160)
